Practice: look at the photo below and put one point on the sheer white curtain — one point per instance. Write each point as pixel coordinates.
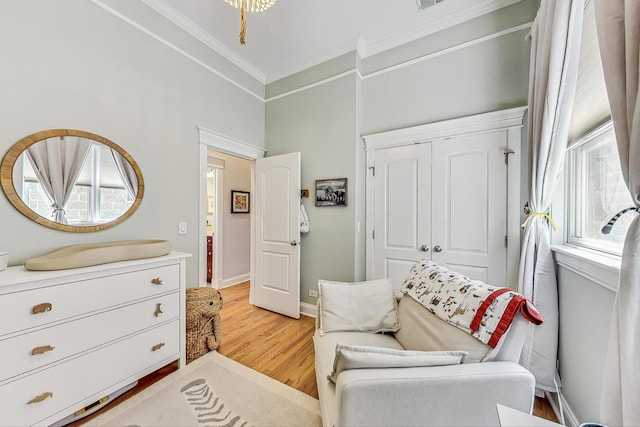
(618, 27)
(555, 48)
(126, 172)
(57, 163)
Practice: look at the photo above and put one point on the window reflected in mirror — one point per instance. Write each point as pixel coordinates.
(99, 195)
(71, 180)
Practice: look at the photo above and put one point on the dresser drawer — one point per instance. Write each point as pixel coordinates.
(59, 302)
(66, 387)
(66, 339)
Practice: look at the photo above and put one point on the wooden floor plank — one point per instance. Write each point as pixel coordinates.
(270, 343)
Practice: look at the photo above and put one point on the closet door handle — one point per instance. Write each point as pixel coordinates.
(41, 349)
(424, 248)
(437, 248)
(156, 281)
(40, 397)
(157, 346)
(41, 308)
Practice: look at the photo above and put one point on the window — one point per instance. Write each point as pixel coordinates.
(596, 192)
(98, 196)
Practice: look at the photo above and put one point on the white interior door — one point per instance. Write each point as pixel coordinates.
(277, 236)
(469, 206)
(402, 210)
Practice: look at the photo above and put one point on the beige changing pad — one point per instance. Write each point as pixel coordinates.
(98, 253)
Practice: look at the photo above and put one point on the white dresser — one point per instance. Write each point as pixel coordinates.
(71, 337)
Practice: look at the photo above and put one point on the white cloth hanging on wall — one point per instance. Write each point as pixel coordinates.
(304, 220)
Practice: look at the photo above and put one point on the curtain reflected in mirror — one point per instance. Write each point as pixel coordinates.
(72, 180)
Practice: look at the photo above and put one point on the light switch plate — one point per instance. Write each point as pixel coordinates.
(182, 228)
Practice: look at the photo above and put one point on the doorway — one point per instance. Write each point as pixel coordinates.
(215, 175)
(232, 150)
(225, 271)
(228, 233)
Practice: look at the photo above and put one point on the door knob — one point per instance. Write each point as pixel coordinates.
(294, 243)
(437, 248)
(424, 248)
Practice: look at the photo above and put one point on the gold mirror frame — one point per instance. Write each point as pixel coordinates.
(6, 179)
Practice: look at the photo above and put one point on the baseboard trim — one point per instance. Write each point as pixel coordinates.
(555, 400)
(308, 309)
(231, 281)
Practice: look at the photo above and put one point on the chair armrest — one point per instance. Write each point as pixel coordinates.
(451, 395)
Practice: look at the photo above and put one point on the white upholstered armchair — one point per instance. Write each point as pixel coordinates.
(380, 362)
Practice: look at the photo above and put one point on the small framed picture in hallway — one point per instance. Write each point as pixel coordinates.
(239, 201)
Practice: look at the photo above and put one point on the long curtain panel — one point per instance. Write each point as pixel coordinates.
(555, 46)
(126, 173)
(618, 27)
(57, 163)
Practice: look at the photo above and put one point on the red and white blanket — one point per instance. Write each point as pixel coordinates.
(482, 310)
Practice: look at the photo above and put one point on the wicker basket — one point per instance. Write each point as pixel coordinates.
(203, 321)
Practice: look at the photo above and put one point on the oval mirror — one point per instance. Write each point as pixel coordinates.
(71, 180)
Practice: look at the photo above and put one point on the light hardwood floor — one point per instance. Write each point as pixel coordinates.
(275, 345)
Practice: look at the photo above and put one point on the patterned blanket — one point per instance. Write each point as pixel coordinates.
(482, 310)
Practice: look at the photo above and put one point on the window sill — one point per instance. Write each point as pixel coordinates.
(597, 267)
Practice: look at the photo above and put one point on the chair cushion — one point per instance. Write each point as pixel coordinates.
(363, 357)
(360, 307)
(424, 331)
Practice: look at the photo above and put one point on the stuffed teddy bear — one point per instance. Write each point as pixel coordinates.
(203, 321)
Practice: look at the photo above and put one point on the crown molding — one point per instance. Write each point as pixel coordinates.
(177, 49)
(449, 50)
(438, 20)
(166, 10)
(313, 60)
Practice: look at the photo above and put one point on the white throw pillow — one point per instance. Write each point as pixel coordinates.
(363, 357)
(361, 307)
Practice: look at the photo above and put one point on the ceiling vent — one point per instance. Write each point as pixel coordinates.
(423, 4)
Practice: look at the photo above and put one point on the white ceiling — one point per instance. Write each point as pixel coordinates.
(295, 34)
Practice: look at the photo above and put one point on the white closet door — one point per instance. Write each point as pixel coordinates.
(469, 206)
(402, 210)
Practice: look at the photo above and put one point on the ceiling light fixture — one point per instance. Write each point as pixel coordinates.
(251, 6)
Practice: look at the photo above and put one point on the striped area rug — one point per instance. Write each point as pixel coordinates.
(215, 391)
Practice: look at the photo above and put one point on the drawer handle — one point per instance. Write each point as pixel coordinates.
(157, 346)
(158, 311)
(156, 281)
(40, 350)
(40, 397)
(41, 308)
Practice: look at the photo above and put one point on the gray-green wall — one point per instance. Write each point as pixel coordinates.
(321, 124)
(479, 66)
(73, 64)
